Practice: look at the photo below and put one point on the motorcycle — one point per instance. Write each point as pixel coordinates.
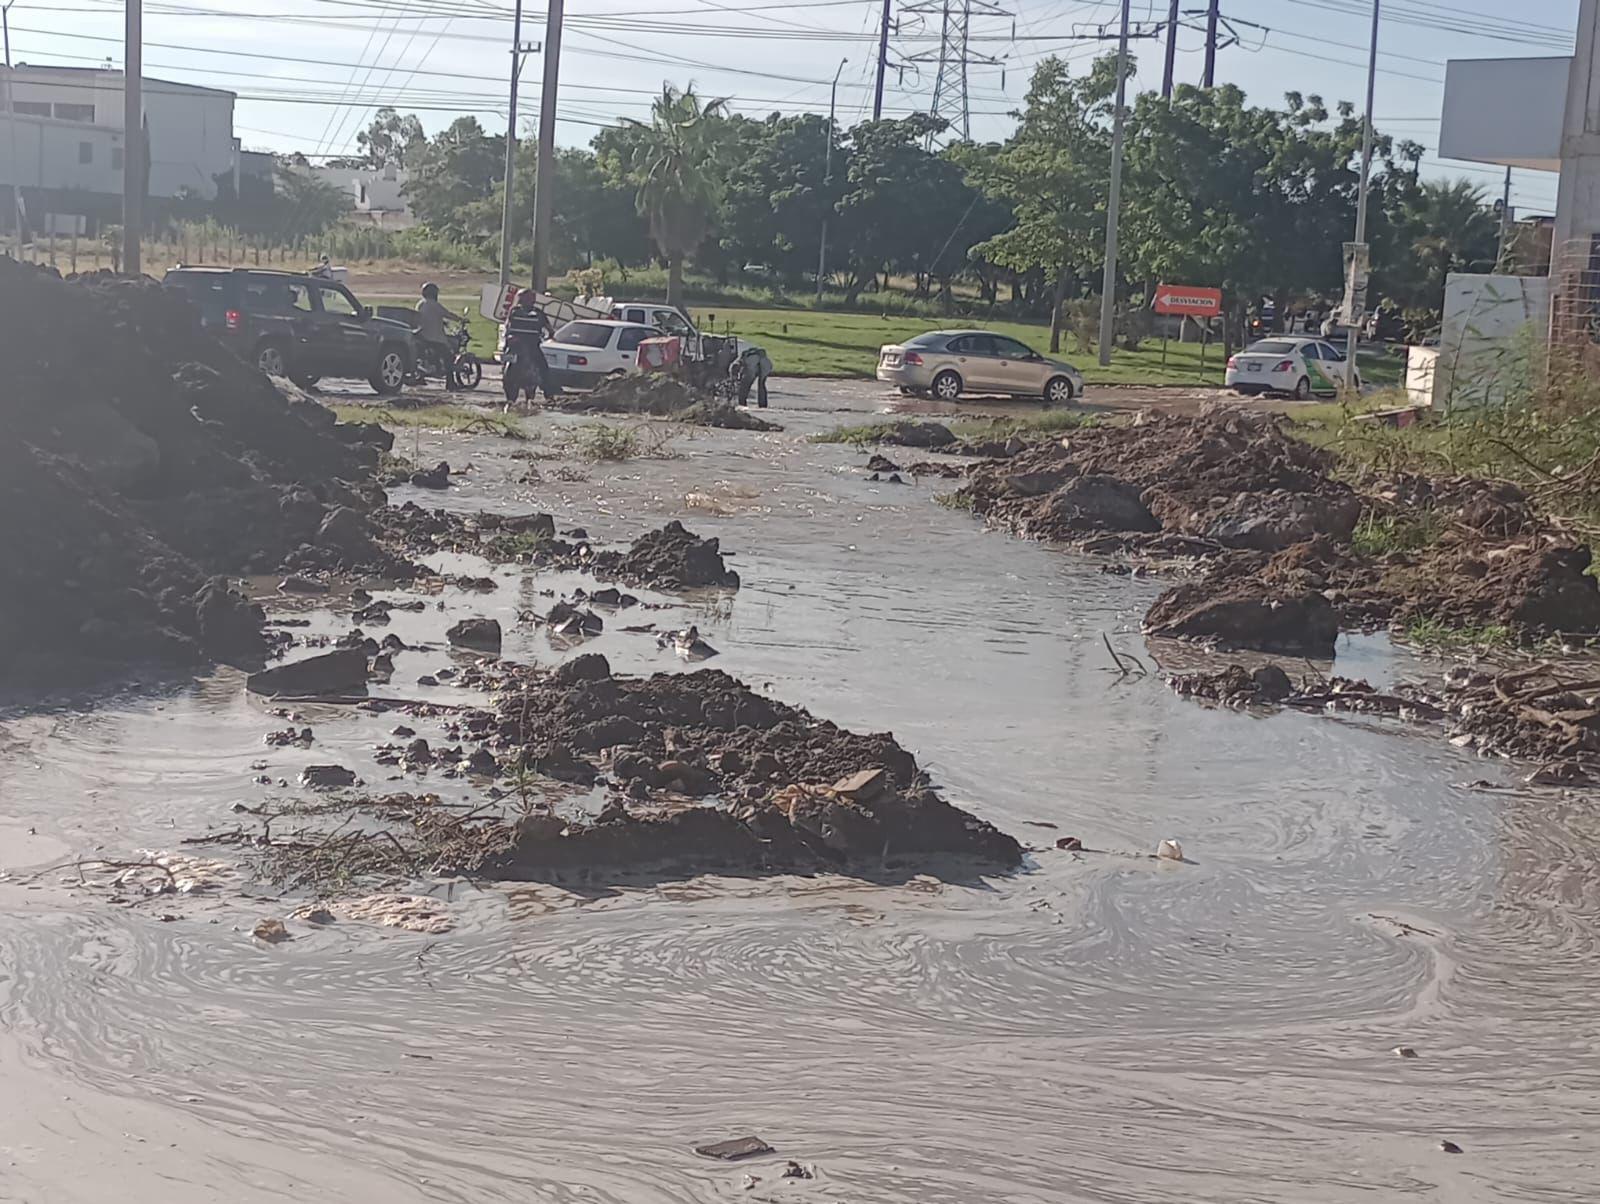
(465, 368)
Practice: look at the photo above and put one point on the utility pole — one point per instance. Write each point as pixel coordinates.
(1108, 289)
(1172, 51)
(5, 20)
(1505, 224)
(827, 175)
(1213, 14)
(11, 123)
(544, 180)
(511, 150)
(1358, 266)
(883, 63)
(133, 150)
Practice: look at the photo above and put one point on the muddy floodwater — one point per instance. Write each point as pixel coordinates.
(1101, 1026)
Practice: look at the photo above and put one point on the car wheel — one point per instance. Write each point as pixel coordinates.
(1302, 389)
(947, 386)
(1058, 391)
(391, 372)
(306, 380)
(271, 359)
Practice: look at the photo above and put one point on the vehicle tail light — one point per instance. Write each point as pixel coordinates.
(1233, 361)
(578, 361)
(232, 317)
(911, 357)
(1284, 366)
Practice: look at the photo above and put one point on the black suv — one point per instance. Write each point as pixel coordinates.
(299, 326)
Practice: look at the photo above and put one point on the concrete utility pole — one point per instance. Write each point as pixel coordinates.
(133, 150)
(1578, 194)
(883, 63)
(827, 180)
(544, 181)
(5, 20)
(1172, 51)
(511, 149)
(1358, 295)
(11, 125)
(1108, 289)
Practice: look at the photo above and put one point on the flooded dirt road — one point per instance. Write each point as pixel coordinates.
(1099, 1027)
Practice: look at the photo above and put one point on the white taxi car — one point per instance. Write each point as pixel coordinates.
(1300, 367)
(588, 351)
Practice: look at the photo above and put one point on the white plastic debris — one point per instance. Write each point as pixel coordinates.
(1169, 850)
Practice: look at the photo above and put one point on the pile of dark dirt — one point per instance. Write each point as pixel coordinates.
(141, 459)
(670, 557)
(1274, 529)
(664, 396)
(790, 791)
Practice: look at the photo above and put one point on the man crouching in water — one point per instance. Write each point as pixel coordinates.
(526, 325)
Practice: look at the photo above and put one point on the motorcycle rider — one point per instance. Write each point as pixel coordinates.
(526, 325)
(431, 332)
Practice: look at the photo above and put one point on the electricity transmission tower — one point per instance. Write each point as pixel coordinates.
(954, 56)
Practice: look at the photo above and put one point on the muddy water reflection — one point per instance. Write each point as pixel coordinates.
(1103, 1027)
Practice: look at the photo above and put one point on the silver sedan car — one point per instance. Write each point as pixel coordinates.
(948, 363)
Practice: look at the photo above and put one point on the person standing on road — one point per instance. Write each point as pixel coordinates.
(754, 368)
(431, 333)
(526, 325)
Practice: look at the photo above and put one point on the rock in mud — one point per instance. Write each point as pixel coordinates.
(591, 666)
(328, 777)
(1100, 503)
(676, 558)
(347, 532)
(929, 435)
(880, 463)
(293, 584)
(1273, 521)
(482, 635)
(340, 672)
(437, 477)
(1236, 685)
(733, 1149)
(271, 931)
(1246, 616)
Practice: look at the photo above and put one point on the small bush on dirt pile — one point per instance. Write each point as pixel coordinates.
(458, 419)
(1378, 534)
(601, 441)
(955, 501)
(1428, 632)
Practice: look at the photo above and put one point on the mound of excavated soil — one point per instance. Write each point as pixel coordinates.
(1275, 528)
(140, 459)
(798, 792)
(670, 557)
(666, 397)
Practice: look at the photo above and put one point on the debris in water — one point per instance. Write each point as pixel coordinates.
(343, 671)
(794, 1170)
(1070, 844)
(413, 913)
(271, 931)
(1449, 1147)
(327, 777)
(1170, 850)
(481, 635)
(734, 1149)
(1404, 1051)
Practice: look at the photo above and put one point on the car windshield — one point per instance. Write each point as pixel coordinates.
(584, 334)
(1270, 347)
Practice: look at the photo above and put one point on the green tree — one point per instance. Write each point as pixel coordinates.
(678, 171)
(391, 139)
(449, 177)
(1053, 174)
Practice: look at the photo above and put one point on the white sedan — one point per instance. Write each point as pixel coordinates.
(587, 351)
(1300, 367)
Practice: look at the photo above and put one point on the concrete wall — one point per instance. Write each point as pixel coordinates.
(1504, 111)
(1490, 324)
(49, 155)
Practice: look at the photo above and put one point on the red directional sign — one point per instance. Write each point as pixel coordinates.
(1182, 299)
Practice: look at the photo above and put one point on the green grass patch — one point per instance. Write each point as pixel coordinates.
(433, 418)
(510, 546)
(959, 500)
(1377, 535)
(1426, 631)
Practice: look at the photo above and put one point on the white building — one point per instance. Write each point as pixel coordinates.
(377, 194)
(62, 140)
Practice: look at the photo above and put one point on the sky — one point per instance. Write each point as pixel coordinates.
(310, 73)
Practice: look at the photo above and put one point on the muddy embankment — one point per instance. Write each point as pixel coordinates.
(659, 395)
(1270, 532)
(142, 461)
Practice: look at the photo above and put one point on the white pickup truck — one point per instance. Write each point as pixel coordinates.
(669, 319)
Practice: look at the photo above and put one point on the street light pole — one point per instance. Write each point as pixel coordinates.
(1108, 288)
(1357, 296)
(827, 181)
(511, 150)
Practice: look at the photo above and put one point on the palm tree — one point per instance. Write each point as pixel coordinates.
(679, 184)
